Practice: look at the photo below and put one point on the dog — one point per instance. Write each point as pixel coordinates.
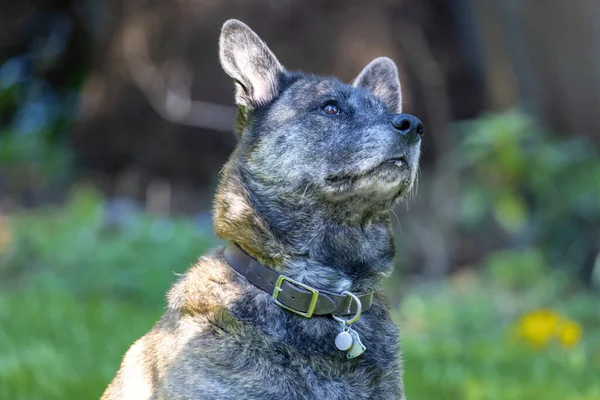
(292, 307)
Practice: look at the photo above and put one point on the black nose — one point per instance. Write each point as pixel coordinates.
(408, 125)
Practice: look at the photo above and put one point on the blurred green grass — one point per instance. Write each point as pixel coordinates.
(78, 286)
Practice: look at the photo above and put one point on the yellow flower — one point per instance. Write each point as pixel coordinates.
(569, 333)
(540, 327)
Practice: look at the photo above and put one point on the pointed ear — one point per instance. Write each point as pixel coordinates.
(381, 78)
(248, 60)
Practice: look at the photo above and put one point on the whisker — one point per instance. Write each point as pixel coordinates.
(304, 193)
(398, 220)
(396, 215)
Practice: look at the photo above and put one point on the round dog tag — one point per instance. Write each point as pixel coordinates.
(343, 340)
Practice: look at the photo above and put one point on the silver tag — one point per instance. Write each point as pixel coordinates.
(357, 347)
(344, 340)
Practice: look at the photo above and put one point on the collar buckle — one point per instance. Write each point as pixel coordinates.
(313, 301)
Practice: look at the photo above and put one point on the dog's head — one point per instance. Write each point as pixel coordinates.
(303, 136)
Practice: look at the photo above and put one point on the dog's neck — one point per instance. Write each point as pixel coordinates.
(302, 240)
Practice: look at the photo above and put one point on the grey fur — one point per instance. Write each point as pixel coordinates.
(309, 195)
(248, 60)
(381, 78)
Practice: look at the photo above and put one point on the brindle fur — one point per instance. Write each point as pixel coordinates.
(296, 195)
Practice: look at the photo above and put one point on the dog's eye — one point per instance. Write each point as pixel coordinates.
(330, 109)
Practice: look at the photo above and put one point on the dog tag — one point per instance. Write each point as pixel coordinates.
(344, 340)
(357, 347)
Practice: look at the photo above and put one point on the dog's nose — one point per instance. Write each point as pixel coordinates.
(408, 125)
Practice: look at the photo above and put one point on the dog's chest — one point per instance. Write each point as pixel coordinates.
(241, 365)
(249, 348)
(273, 354)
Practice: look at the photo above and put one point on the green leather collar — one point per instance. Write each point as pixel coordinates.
(292, 295)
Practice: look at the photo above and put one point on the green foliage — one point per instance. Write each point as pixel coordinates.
(78, 285)
(530, 188)
(516, 269)
(459, 343)
(35, 119)
(33, 153)
(75, 292)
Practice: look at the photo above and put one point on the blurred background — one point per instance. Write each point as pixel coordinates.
(115, 118)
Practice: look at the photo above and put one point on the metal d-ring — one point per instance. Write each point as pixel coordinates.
(348, 322)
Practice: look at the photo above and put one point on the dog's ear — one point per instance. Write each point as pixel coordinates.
(381, 78)
(248, 60)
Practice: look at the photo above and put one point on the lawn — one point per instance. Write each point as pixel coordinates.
(79, 284)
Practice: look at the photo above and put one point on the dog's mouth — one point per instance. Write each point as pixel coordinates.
(395, 164)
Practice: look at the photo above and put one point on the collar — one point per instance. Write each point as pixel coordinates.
(293, 295)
